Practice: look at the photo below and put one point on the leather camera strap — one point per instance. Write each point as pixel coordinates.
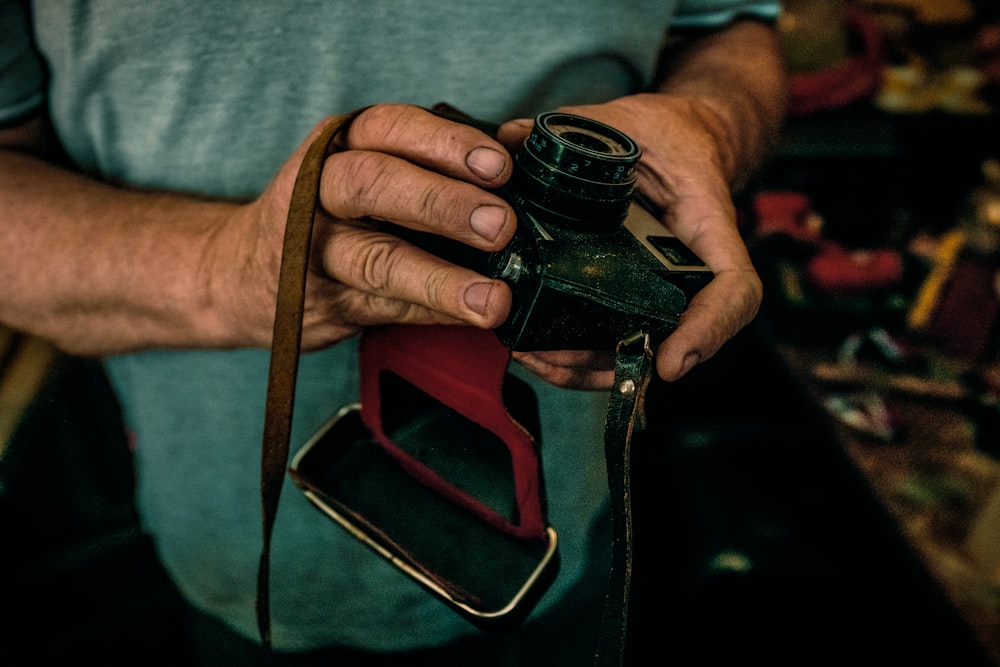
(625, 416)
(285, 348)
(625, 409)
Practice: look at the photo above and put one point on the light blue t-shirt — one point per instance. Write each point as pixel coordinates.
(211, 97)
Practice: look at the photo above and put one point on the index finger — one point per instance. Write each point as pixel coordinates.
(417, 135)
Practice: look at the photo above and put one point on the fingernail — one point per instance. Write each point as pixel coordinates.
(690, 361)
(477, 297)
(486, 162)
(487, 221)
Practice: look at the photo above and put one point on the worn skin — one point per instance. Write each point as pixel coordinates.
(103, 269)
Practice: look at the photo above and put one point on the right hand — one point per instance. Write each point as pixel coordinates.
(395, 163)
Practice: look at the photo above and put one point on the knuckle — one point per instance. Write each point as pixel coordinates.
(431, 202)
(436, 289)
(353, 188)
(375, 264)
(444, 141)
(380, 310)
(379, 125)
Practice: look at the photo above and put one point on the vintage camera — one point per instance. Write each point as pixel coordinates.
(590, 263)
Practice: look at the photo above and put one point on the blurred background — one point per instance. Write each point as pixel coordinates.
(825, 491)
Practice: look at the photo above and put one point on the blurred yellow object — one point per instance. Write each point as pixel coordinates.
(930, 292)
(911, 88)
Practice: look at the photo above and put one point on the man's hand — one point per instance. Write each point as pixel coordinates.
(395, 163)
(718, 110)
(681, 172)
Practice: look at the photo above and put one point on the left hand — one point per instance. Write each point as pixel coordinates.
(682, 171)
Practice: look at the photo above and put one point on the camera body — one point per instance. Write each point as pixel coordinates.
(590, 264)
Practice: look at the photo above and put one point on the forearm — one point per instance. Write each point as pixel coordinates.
(99, 269)
(738, 77)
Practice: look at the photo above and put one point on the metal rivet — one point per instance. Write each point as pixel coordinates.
(627, 387)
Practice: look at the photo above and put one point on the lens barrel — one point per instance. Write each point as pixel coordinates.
(577, 172)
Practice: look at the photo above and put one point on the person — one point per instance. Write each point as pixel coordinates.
(149, 151)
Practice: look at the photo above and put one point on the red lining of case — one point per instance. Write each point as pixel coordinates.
(463, 368)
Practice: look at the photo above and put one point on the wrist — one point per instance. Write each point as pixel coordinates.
(235, 285)
(736, 75)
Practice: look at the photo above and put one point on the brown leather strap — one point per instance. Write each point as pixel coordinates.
(285, 348)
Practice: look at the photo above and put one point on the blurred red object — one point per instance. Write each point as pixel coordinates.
(786, 212)
(838, 270)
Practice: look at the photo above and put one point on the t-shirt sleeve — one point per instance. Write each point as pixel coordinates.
(22, 73)
(711, 13)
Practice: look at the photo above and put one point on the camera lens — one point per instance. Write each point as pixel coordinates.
(577, 172)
